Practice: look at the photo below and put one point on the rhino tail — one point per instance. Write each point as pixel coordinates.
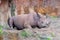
(10, 22)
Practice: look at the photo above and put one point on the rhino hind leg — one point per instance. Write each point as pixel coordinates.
(17, 27)
(20, 28)
(14, 25)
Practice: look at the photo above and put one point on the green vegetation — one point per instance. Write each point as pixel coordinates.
(43, 37)
(12, 9)
(53, 17)
(1, 32)
(52, 34)
(25, 33)
(48, 38)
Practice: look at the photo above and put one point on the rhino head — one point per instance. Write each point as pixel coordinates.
(43, 21)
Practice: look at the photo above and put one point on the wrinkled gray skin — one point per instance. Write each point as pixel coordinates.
(27, 21)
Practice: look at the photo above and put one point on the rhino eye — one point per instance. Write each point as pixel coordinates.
(41, 22)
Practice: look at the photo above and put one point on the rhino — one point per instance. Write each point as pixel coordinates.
(31, 20)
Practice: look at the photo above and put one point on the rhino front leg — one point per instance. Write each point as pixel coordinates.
(29, 28)
(27, 25)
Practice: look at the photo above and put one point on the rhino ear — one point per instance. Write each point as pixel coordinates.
(40, 14)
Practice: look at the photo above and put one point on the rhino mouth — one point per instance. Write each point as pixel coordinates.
(41, 27)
